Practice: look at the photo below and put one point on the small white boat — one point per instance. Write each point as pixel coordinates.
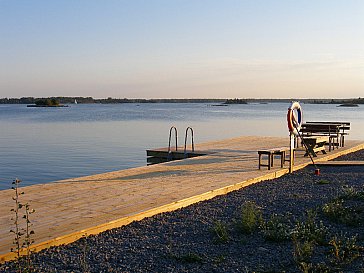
(75, 101)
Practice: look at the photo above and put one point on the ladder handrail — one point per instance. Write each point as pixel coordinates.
(170, 135)
(186, 134)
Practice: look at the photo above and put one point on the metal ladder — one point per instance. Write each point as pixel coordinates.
(192, 144)
(170, 155)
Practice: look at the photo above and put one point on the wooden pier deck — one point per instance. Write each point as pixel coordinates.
(68, 209)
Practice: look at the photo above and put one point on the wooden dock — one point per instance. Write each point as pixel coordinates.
(68, 209)
(161, 155)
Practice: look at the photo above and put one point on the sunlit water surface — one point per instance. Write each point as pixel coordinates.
(40, 145)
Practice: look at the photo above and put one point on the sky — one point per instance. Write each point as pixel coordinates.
(182, 48)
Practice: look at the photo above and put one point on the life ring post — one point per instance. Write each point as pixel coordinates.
(292, 138)
(294, 121)
(294, 117)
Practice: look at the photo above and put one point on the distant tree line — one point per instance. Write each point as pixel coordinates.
(32, 100)
(125, 100)
(337, 101)
(70, 100)
(236, 101)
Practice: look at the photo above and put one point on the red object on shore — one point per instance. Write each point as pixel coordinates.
(317, 171)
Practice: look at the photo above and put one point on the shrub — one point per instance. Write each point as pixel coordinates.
(337, 212)
(344, 249)
(277, 228)
(313, 268)
(190, 257)
(302, 251)
(311, 230)
(349, 193)
(250, 219)
(323, 182)
(220, 232)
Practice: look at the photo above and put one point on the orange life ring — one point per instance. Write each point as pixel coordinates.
(294, 123)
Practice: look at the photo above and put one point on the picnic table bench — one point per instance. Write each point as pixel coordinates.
(315, 144)
(282, 151)
(332, 131)
(336, 131)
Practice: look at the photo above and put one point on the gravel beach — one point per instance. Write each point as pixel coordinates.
(205, 237)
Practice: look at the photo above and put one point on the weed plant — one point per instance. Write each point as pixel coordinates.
(337, 211)
(277, 228)
(347, 209)
(349, 193)
(28, 239)
(302, 250)
(313, 268)
(23, 234)
(311, 229)
(344, 249)
(220, 232)
(190, 257)
(251, 218)
(323, 182)
(17, 231)
(219, 259)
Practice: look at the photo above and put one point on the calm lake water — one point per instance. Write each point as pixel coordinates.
(40, 145)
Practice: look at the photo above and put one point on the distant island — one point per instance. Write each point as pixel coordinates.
(236, 101)
(47, 103)
(63, 101)
(342, 102)
(348, 105)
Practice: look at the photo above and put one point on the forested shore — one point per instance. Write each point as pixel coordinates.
(89, 100)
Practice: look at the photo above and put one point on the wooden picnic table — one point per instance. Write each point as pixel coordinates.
(315, 144)
(342, 127)
(332, 131)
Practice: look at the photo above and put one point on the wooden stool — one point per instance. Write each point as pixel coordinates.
(271, 153)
